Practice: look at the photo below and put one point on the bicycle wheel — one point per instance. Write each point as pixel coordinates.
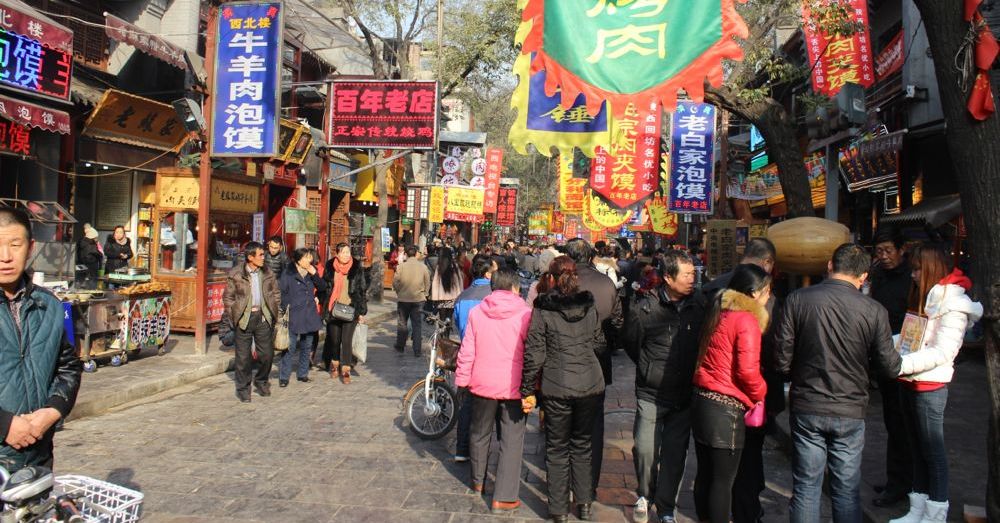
(434, 419)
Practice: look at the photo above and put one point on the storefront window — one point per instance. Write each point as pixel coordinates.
(179, 252)
(229, 234)
(178, 241)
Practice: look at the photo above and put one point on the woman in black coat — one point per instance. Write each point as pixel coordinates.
(562, 349)
(345, 279)
(299, 286)
(118, 249)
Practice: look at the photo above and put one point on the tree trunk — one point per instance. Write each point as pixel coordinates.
(778, 130)
(375, 290)
(976, 159)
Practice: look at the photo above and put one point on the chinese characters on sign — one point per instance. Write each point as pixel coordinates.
(52, 35)
(839, 59)
(721, 246)
(32, 115)
(216, 308)
(507, 207)
(464, 204)
(661, 221)
(435, 205)
(247, 73)
(571, 190)
(150, 44)
(629, 172)
(28, 65)
(124, 117)
(235, 197)
(177, 192)
(494, 169)
(15, 138)
(383, 115)
(692, 158)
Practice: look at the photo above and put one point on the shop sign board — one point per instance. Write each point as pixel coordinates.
(507, 207)
(383, 114)
(340, 182)
(494, 168)
(15, 138)
(37, 54)
(538, 222)
(451, 164)
(126, 118)
(464, 204)
(145, 42)
(301, 221)
(721, 246)
(216, 308)
(234, 197)
(692, 159)
(178, 192)
(435, 205)
(246, 88)
(32, 115)
(571, 190)
(628, 171)
(258, 227)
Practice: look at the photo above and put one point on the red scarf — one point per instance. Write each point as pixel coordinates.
(340, 271)
(957, 277)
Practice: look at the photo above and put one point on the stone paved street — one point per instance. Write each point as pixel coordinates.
(323, 451)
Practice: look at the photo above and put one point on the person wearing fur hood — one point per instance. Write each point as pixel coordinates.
(940, 295)
(728, 382)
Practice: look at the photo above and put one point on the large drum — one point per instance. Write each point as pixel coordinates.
(806, 244)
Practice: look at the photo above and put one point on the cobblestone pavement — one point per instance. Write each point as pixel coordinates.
(324, 451)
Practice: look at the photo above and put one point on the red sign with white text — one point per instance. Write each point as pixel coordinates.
(630, 171)
(45, 31)
(215, 306)
(507, 207)
(891, 58)
(383, 115)
(839, 59)
(33, 115)
(494, 170)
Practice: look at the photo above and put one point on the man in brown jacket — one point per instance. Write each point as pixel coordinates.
(252, 301)
(412, 284)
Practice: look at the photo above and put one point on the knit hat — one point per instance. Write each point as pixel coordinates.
(89, 232)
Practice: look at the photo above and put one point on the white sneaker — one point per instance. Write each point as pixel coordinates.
(916, 513)
(460, 458)
(667, 519)
(640, 511)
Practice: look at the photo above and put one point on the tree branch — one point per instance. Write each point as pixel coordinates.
(413, 20)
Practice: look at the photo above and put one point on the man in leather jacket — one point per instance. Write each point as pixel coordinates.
(661, 336)
(40, 369)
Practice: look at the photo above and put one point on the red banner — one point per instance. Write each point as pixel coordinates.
(507, 207)
(494, 170)
(629, 172)
(33, 115)
(383, 115)
(839, 59)
(891, 58)
(28, 23)
(558, 224)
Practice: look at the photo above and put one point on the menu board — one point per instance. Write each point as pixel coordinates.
(115, 195)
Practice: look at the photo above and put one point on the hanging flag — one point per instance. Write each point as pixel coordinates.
(571, 190)
(661, 221)
(981, 104)
(838, 59)
(545, 124)
(494, 169)
(623, 51)
(692, 158)
(628, 171)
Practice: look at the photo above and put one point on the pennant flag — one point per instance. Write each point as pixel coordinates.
(599, 213)
(623, 51)
(839, 59)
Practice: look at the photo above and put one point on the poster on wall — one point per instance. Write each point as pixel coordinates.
(115, 194)
(301, 221)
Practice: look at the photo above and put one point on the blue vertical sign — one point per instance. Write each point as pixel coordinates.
(692, 158)
(246, 87)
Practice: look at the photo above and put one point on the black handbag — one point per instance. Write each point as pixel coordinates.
(342, 312)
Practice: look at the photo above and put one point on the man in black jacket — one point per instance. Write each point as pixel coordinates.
(661, 336)
(609, 313)
(891, 283)
(826, 338)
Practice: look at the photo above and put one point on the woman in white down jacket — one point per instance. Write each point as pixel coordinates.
(940, 295)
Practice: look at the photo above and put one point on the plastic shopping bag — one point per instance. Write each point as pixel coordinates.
(359, 344)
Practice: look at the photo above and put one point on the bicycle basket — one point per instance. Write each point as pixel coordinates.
(100, 501)
(447, 350)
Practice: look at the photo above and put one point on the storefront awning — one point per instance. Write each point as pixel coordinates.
(126, 118)
(86, 91)
(934, 212)
(31, 115)
(148, 43)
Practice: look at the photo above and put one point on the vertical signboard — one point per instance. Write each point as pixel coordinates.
(507, 207)
(839, 59)
(494, 169)
(246, 86)
(628, 172)
(721, 246)
(692, 158)
(435, 205)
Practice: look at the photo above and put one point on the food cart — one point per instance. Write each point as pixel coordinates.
(115, 325)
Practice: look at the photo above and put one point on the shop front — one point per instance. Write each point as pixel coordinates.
(176, 238)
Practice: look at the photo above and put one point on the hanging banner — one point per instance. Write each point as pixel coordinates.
(661, 221)
(507, 207)
(839, 59)
(464, 204)
(622, 51)
(542, 122)
(435, 205)
(31, 115)
(246, 89)
(144, 41)
(692, 159)
(538, 223)
(494, 170)
(558, 224)
(571, 190)
(383, 114)
(602, 214)
(891, 58)
(573, 226)
(627, 171)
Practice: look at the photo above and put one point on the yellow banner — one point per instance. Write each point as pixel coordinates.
(660, 220)
(538, 222)
(571, 190)
(603, 214)
(463, 200)
(435, 208)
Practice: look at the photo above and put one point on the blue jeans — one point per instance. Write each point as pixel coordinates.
(300, 351)
(924, 419)
(820, 441)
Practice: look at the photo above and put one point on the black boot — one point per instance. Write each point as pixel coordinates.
(585, 511)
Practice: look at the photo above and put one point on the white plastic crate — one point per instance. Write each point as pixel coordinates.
(100, 501)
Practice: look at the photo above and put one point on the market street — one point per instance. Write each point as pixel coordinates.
(323, 451)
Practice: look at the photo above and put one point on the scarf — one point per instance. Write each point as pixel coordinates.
(340, 271)
(957, 277)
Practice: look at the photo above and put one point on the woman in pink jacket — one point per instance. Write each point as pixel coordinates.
(489, 364)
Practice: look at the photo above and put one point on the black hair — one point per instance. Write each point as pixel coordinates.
(411, 251)
(851, 259)
(747, 279)
(760, 249)
(447, 269)
(276, 239)
(481, 264)
(671, 261)
(505, 279)
(251, 248)
(579, 250)
(14, 216)
(122, 227)
(341, 245)
(898, 240)
(300, 253)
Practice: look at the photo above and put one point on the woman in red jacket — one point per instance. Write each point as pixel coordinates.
(727, 383)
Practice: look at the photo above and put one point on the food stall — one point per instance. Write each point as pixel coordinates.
(235, 200)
